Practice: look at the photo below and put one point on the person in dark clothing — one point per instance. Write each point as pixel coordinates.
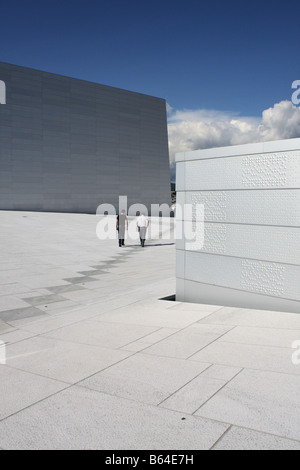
(121, 226)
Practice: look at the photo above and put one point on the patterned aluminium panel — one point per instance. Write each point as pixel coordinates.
(246, 247)
(198, 292)
(269, 243)
(259, 277)
(264, 171)
(277, 207)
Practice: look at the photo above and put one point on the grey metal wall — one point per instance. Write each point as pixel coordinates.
(69, 145)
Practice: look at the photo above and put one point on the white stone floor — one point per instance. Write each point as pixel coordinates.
(96, 361)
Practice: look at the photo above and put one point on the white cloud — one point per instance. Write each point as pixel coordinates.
(169, 109)
(199, 129)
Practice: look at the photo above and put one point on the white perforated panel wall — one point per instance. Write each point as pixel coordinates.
(251, 252)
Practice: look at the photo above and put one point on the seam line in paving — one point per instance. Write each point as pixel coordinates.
(37, 402)
(267, 346)
(221, 437)
(138, 339)
(251, 429)
(212, 342)
(221, 388)
(259, 327)
(180, 388)
(176, 332)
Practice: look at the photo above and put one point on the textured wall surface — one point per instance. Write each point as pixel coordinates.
(250, 256)
(69, 145)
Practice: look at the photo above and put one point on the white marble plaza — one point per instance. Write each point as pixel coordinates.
(95, 360)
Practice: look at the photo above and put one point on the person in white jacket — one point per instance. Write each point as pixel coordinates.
(142, 224)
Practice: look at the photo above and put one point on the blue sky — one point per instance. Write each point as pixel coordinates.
(225, 55)
(219, 64)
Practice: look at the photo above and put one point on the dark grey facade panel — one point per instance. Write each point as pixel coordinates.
(68, 145)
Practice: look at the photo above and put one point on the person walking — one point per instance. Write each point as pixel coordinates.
(142, 224)
(121, 226)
